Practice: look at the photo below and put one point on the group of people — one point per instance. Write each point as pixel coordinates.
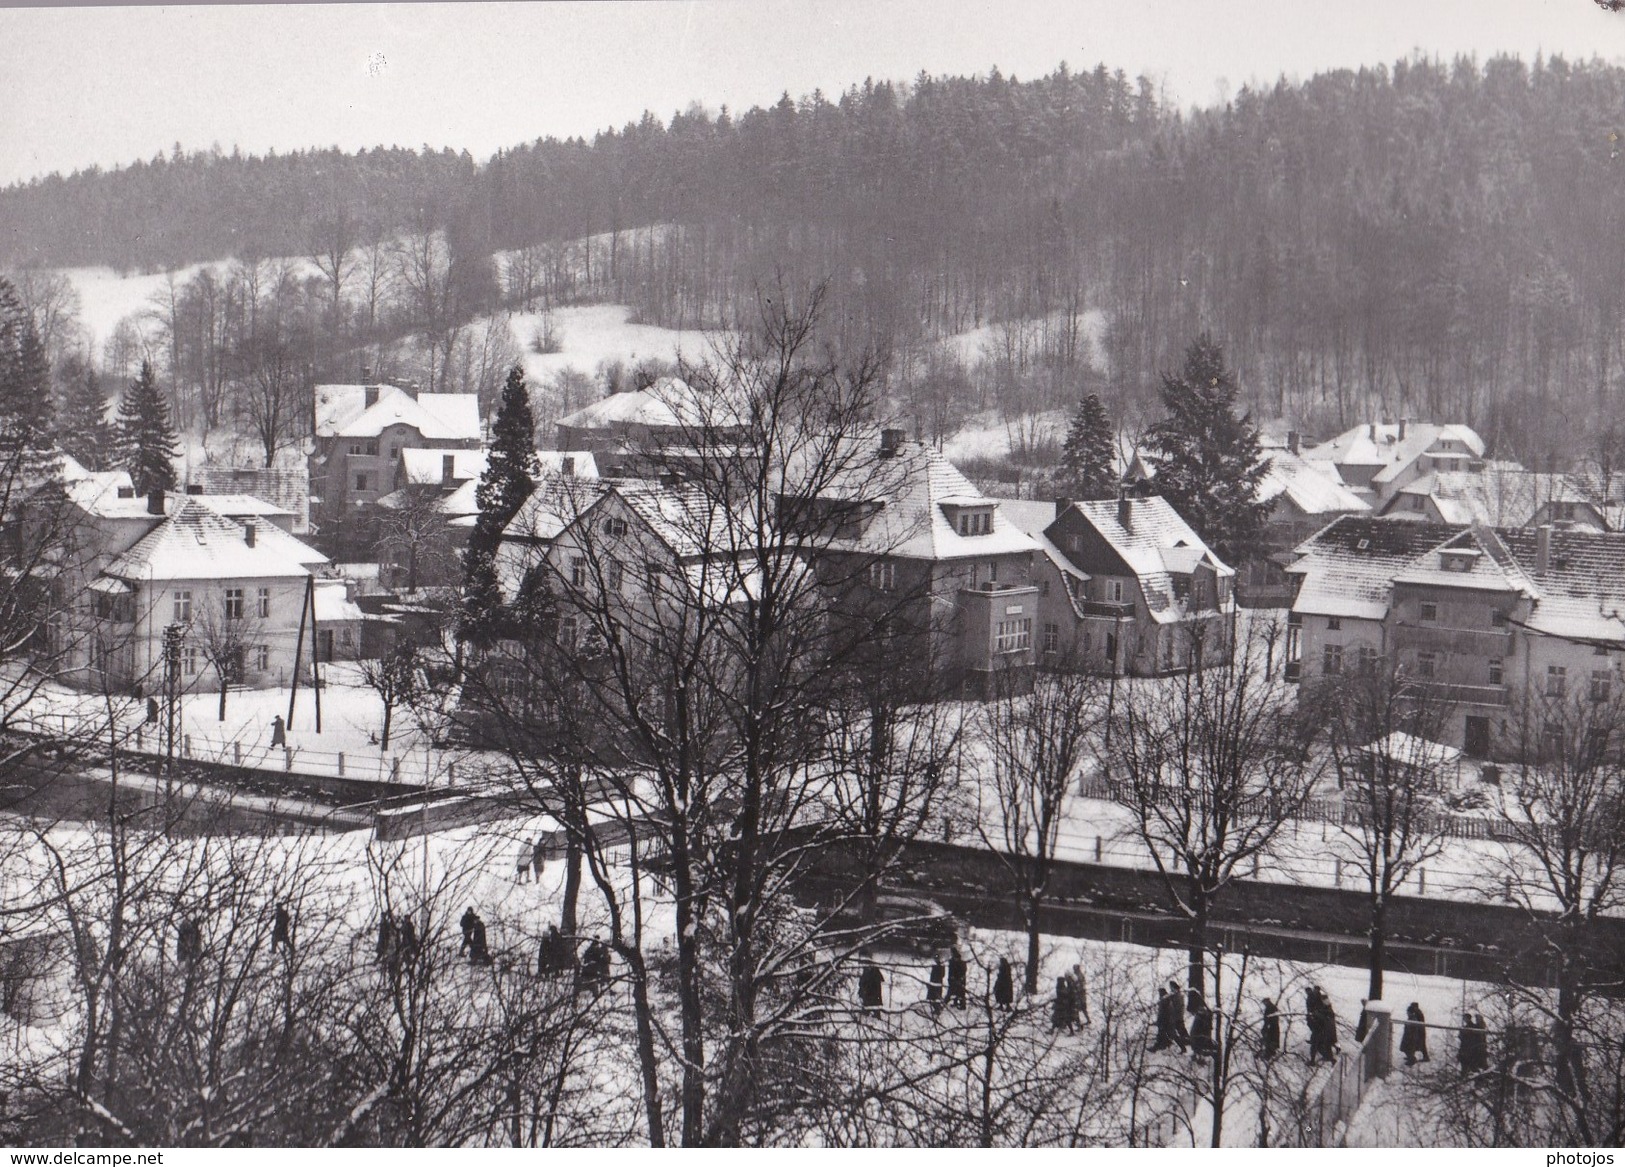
(1474, 1054)
(1071, 1001)
(474, 938)
(1413, 1042)
(1322, 1020)
(594, 965)
(397, 940)
(1170, 1019)
(953, 972)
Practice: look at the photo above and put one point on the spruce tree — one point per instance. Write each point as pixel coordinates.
(1207, 457)
(1088, 459)
(147, 440)
(82, 426)
(511, 470)
(25, 380)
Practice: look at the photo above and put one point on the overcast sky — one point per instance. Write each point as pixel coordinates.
(110, 85)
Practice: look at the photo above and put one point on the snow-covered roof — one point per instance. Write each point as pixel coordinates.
(1502, 494)
(1380, 444)
(239, 505)
(1412, 750)
(437, 416)
(1157, 545)
(107, 494)
(1036, 517)
(910, 490)
(268, 534)
(424, 467)
(1313, 487)
(1350, 569)
(195, 543)
(667, 404)
(333, 605)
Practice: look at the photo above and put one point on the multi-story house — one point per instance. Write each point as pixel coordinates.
(360, 433)
(1377, 459)
(647, 433)
(1477, 617)
(1126, 587)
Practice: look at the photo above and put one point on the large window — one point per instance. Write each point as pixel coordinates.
(883, 576)
(1497, 673)
(361, 482)
(614, 573)
(1557, 680)
(234, 603)
(1052, 638)
(1602, 684)
(183, 607)
(189, 660)
(1332, 660)
(578, 571)
(1114, 591)
(1427, 665)
(263, 605)
(1013, 636)
(262, 657)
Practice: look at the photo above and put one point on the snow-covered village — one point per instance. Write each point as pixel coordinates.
(915, 602)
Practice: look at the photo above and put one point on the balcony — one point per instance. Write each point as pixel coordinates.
(1119, 609)
(1293, 670)
(1486, 642)
(1463, 694)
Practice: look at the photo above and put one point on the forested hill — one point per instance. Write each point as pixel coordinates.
(1444, 237)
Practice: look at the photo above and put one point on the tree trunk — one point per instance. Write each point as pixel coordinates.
(389, 715)
(222, 698)
(572, 883)
(1379, 944)
(1035, 903)
(1197, 975)
(689, 1001)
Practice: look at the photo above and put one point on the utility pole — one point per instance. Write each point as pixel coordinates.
(173, 635)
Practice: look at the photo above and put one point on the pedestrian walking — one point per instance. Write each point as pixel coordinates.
(469, 919)
(957, 970)
(594, 968)
(1413, 1042)
(188, 940)
(386, 936)
(871, 987)
(1481, 1044)
(538, 856)
(1272, 1029)
(527, 851)
(1062, 1015)
(281, 929)
(1202, 1043)
(1004, 985)
(478, 953)
(1176, 1017)
(1164, 1035)
(1465, 1040)
(1080, 991)
(933, 986)
(279, 731)
(408, 940)
(1363, 1025)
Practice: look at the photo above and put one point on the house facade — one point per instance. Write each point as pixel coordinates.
(1479, 618)
(1375, 460)
(1497, 494)
(1126, 587)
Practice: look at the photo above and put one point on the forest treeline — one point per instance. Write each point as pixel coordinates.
(1436, 238)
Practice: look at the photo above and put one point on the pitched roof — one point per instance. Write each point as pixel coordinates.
(437, 416)
(426, 467)
(1314, 487)
(235, 505)
(910, 490)
(1348, 567)
(1157, 545)
(1503, 494)
(1379, 444)
(669, 403)
(99, 493)
(196, 543)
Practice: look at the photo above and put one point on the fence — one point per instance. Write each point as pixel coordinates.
(1333, 1101)
(421, 768)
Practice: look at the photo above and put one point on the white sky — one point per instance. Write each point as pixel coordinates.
(110, 85)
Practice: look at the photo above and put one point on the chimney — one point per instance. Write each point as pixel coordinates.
(366, 373)
(1404, 424)
(1125, 512)
(448, 469)
(1292, 440)
(1373, 431)
(249, 534)
(370, 396)
(891, 441)
(1062, 504)
(155, 501)
(1543, 548)
(567, 466)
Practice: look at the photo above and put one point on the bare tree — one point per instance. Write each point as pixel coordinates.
(1212, 764)
(394, 677)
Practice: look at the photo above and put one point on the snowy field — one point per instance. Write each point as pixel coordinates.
(592, 335)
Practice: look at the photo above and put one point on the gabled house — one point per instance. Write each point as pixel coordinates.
(1476, 617)
(1497, 494)
(1126, 587)
(360, 433)
(1375, 460)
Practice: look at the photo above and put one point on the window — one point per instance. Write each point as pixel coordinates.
(183, 607)
(1368, 660)
(263, 607)
(1430, 611)
(234, 603)
(1334, 624)
(1601, 684)
(993, 571)
(355, 449)
(372, 448)
(569, 630)
(361, 482)
(262, 657)
(976, 523)
(1332, 662)
(1557, 680)
(346, 637)
(883, 576)
(578, 572)
(615, 527)
(1497, 675)
(1114, 591)
(1552, 734)
(189, 660)
(1052, 638)
(1498, 618)
(1418, 503)
(1043, 586)
(394, 452)
(1088, 641)
(615, 574)
(1013, 636)
(1427, 665)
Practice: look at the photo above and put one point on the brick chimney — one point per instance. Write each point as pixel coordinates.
(891, 441)
(567, 467)
(155, 501)
(1292, 440)
(1125, 512)
(369, 396)
(249, 534)
(1543, 548)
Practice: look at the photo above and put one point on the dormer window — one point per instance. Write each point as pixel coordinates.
(1458, 559)
(970, 517)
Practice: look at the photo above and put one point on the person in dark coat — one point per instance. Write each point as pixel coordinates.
(1328, 1026)
(1202, 1044)
(478, 953)
(469, 919)
(1413, 1042)
(956, 980)
(408, 943)
(1164, 1031)
(281, 929)
(1465, 1042)
(526, 852)
(1064, 1012)
(279, 731)
(1272, 1029)
(1176, 1017)
(1481, 1045)
(1363, 1025)
(386, 936)
(1080, 992)
(871, 987)
(1004, 985)
(933, 986)
(188, 940)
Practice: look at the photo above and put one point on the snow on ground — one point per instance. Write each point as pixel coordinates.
(978, 344)
(591, 335)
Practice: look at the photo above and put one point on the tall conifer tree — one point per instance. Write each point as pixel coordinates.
(82, 426)
(147, 440)
(1088, 460)
(511, 470)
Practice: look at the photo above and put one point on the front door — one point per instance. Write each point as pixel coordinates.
(1476, 740)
